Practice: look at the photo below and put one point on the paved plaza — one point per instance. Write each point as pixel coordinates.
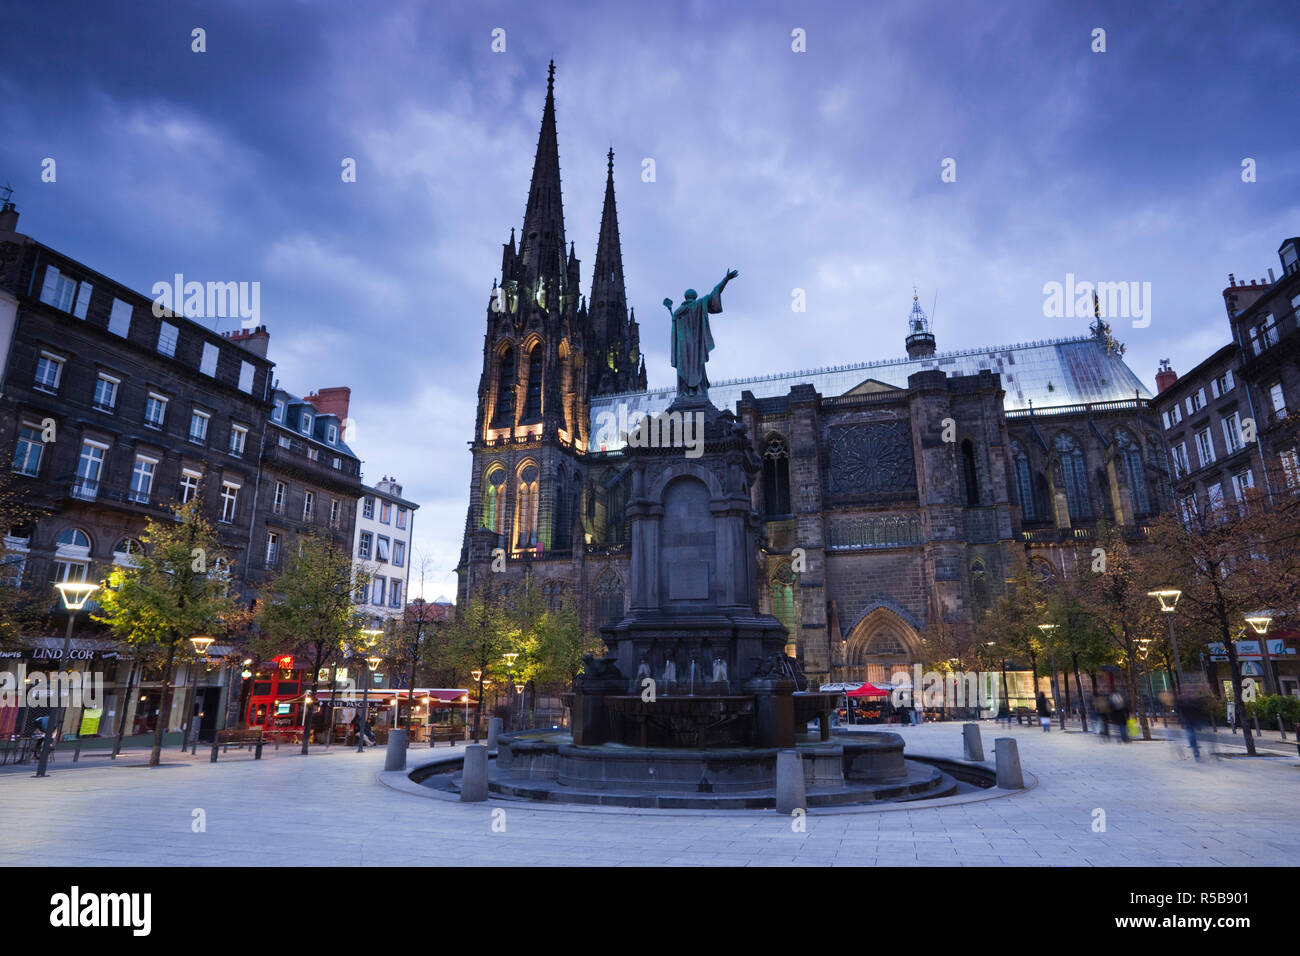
(1160, 808)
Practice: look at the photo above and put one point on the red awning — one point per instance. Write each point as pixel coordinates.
(868, 690)
(450, 696)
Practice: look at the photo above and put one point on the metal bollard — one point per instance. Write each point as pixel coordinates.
(1281, 727)
(395, 756)
(474, 776)
(213, 758)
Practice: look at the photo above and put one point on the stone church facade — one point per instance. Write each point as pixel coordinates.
(893, 493)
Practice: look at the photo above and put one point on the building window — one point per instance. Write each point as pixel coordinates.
(609, 598)
(332, 434)
(533, 399)
(1290, 467)
(1232, 433)
(363, 547)
(385, 512)
(238, 435)
(1173, 416)
(401, 517)
(1074, 474)
(199, 426)
(1241, 483)
(246, 377)
(399, 553)
(155, 410)
(83, 300)
(127, 552)
(71, 555)
(334, 511)
(49, 372)
(1196, 401)
(1131, 457)
(313, 454)
(167, 337)
(308, 505)
(1214, 498)
(58, 289)
(272, 549)
(1188, 511)
(278, 414)
(395, 594)
(1205, 447)
(189, 484)
(27, 453)
(304, 423)
(284, 442)
(90, 466)
(142, 478)
(368, 508)
(783, 607)
(1222, 385)
(381, 548)
(968, 472)
(119, 320)
(229, 502)
(377, 592)
(106, 392)
(776, 477)
(493, 503)
(505, 408)
(1277, 399)
(1178, 455)
(1024, 483)
(526, 518)
(277, 500)
(208, 364)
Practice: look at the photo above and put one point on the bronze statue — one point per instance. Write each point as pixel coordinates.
(691, 338)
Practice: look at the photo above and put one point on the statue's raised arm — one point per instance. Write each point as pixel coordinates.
(692, 341)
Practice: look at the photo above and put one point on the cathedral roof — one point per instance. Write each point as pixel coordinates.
(1053, 372)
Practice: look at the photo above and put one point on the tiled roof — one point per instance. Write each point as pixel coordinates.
(1055, 372)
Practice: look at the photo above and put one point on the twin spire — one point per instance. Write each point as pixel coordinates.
(611, 335)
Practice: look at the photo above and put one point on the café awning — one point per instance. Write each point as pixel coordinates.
(868, 690)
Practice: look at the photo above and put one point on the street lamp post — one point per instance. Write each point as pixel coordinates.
(201, 644)
(509, 658)
(74, 595)
(371, 635)
(519, 708)
(1168, 598)
(1259, 621)
(1048, 631)
(477, 674)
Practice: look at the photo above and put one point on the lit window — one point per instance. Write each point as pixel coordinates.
(401, 517)
(385, 512)
(142, 478)
(106, 392)
(90, 466)
(49, 371)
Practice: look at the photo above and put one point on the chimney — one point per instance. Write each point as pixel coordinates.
(1165, 377)
(256, 340)
(332, 401)
(8, 218)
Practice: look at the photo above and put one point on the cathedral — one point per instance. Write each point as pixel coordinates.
(893, 493)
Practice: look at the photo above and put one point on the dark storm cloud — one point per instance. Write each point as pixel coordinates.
(816, 171)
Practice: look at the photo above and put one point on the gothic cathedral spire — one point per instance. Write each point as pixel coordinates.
(542, 249)
(615, 337)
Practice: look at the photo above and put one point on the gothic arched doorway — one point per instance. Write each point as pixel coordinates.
(880, 645)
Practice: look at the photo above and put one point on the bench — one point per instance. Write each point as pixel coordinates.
(250, 737)
(449, 734)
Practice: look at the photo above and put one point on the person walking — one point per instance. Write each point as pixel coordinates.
(1193, 710)
(1044, 713)
(1119, 708)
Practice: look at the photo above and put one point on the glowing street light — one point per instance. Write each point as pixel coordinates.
(1168, 598)
(1259, 622)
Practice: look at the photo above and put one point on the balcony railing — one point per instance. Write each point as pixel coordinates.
(85, 490)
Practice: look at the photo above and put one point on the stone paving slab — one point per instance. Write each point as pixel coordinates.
(331, 807)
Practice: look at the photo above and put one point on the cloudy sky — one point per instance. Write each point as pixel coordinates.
(816, 170)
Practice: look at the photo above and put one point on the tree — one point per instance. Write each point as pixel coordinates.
(177, 588)
(477, 639)
(1114, 593)
(1228, 564)
(1009, 630)
(21, 606)
(310, 607)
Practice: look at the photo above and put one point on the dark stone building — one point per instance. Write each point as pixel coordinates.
(892, 492)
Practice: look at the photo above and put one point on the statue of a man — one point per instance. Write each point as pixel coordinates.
(692, 340)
